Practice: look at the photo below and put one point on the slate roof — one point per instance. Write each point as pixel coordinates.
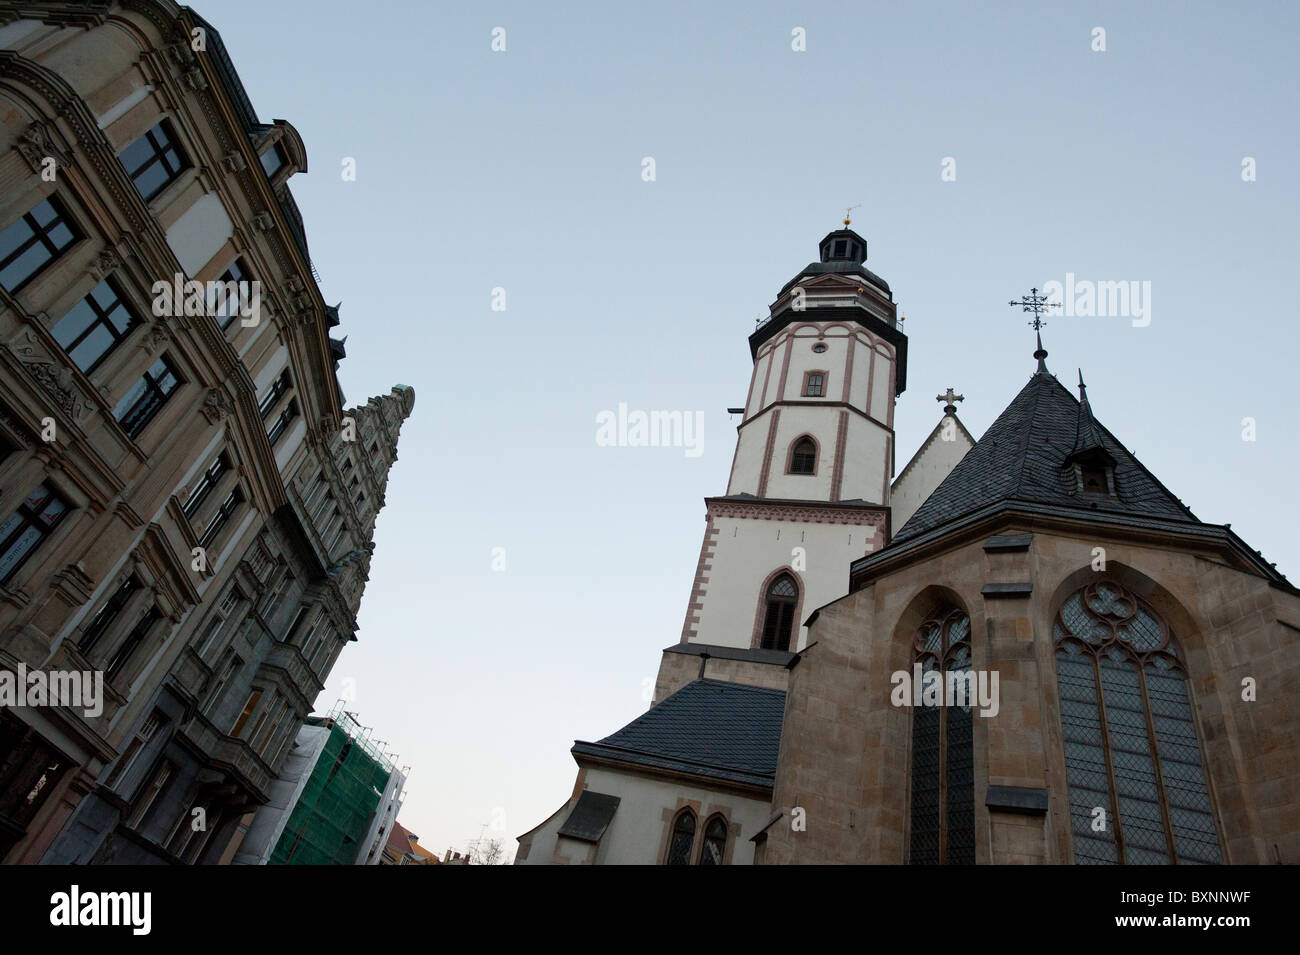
(590, 817)
(707, 728)
(1022, 458)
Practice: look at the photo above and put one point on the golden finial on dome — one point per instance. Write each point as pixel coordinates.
(847, 214)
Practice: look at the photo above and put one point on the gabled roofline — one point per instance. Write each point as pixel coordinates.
(930, 440)
(977, 524)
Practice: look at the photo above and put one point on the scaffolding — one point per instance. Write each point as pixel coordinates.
(332, 817)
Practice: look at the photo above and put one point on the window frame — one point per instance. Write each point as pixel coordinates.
(157, 154)
(40, 235)
(29, 518)
(101, 320)
(823, 383)
(794, 451)
(137, 418)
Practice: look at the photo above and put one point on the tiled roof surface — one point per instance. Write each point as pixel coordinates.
(708, 727)
(1022, 458)
(590, 817)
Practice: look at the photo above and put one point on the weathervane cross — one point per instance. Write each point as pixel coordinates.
(1033, 302)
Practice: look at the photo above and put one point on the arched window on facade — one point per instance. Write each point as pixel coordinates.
(1131, 752)
(715, 842)
(682, 839)
(803, 457)
(943, 767)
(778, 616)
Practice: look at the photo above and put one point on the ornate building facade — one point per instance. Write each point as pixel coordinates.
(1025, 649)
(188, 507)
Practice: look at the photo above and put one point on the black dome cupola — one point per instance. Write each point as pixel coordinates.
(843, 245)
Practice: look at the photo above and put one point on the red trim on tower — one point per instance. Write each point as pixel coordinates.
(785, 362)
(767, 452)
(702, 570)
(837, 475)
(852, 343)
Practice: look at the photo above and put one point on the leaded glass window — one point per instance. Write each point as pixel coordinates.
(682, 839)
(803, 458)
(943, 764)
(778, 616)
(1138, 792)
(715, 842)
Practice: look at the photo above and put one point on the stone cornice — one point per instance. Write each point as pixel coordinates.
(805, 512)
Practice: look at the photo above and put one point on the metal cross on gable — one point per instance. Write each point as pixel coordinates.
(1033, 302)
(949, 399)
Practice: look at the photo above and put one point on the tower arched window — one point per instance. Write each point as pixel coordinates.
(1131, 753)
(715, 842)
(943, 766)
(803, 456)
(682, 839)
(781, 600)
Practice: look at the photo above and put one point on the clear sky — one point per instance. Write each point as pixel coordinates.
(522, 170)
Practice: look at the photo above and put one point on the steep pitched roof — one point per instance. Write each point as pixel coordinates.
(1022, 458)
(707, 728)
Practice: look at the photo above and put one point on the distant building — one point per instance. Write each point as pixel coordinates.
(403, 848)
(335, 802)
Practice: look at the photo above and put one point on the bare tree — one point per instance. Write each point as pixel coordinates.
(488, 852)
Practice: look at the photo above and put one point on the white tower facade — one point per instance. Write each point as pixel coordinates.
(809, 485)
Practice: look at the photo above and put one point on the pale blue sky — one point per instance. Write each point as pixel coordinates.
(522, 170)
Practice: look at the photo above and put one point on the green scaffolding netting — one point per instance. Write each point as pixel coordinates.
(337, 805)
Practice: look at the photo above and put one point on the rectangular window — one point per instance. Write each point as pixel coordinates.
(246, 714)
(95, 326)
(297, 620)
(150, 794)
(132, 643)
(815, 385)
(225, 610)
(219, 519)
(24, 529)
(129, 755)
(33, 242)
(279, 388)
(273, 160)
(260, 564)
(225, 299)
(150, 393)
(206, 483)
(276, 596)
(282, 422)
(232, 664)
(154, 160)
(107, 614)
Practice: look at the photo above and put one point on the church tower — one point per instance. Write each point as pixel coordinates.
(809, 485)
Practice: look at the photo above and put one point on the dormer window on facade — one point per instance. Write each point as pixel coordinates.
(273, 160)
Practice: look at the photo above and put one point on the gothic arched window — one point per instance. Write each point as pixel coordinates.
(803, 456)
(943, 766)
(778, 614)
(715, 842)
(1137, 786)
(682, 839)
